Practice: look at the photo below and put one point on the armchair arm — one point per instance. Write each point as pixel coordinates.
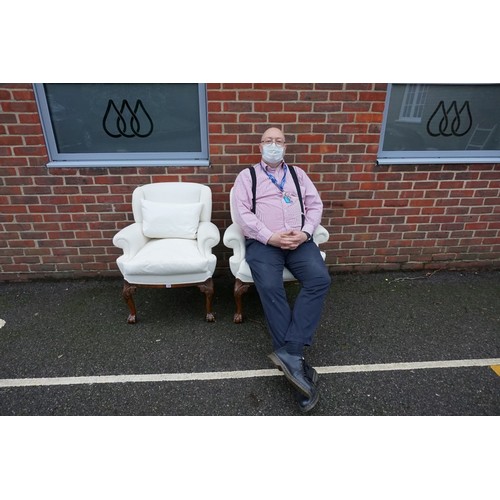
(208, 237)
(131, 239)
(321, 235)
(234, 238)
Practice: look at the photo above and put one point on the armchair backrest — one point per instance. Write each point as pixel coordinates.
(173, 192)
(232, 208)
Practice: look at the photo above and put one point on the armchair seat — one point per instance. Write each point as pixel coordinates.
(172, 260)
(170, 242)
(243, 273)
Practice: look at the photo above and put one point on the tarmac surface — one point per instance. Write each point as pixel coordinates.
(399, 344)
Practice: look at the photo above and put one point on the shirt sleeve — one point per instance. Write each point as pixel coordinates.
(251, 226)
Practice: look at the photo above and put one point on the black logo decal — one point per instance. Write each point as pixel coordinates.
(451, 121)
(127, 122)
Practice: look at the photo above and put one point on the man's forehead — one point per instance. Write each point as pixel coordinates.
(273, 132)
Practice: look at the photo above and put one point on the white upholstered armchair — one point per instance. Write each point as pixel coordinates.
(170, 242)
(234, 239)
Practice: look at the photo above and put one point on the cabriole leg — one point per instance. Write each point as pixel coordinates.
(208, 289)
(239, 289)
(127, 293)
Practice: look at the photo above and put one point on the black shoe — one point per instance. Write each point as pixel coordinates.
(294, 371)
(306, 404)
(311, 373)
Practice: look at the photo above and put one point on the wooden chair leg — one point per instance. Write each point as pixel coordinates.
(239, 289)
(208, 289)
(127, 293)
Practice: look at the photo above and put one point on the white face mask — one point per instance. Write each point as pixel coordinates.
(271, 153)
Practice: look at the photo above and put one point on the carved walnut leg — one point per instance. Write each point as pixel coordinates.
(208, 289)
(127, 293)
(239, 289)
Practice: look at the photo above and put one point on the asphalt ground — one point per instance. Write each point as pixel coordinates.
(389, 344)
(78, 329)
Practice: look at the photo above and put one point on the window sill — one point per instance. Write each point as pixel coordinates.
(127, 163)
(437, 160)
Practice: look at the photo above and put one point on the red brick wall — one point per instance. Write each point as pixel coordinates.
(60, 222)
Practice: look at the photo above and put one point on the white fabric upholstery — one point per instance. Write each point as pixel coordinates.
(234, 239)
(184, 254)
(170, 220)
(168, 256)
(173, 192)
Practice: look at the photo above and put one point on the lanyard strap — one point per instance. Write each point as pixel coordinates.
(273, 179)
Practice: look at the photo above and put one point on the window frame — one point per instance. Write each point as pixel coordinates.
(437, 157)
(56, 159)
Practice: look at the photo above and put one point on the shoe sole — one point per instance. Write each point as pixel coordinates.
(311, 405)
(277, 361)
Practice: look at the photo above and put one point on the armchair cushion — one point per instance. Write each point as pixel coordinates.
(164, 257)
(170, 220)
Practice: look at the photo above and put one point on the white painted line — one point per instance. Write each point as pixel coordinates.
(183, 377)
(422, 365)
(117, 379)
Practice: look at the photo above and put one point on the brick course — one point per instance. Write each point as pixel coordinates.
(60, 222)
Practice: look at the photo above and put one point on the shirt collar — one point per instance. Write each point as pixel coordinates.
(268, 168)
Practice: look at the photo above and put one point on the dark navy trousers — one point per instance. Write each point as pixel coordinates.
(306, 264)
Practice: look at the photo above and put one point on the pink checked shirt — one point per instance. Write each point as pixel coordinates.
(272, 213)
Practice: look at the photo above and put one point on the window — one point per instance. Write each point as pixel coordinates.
(413, 103)
(441, 124)
(103, 124)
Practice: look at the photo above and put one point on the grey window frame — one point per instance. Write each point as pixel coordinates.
(181, 159)
(437, 157)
